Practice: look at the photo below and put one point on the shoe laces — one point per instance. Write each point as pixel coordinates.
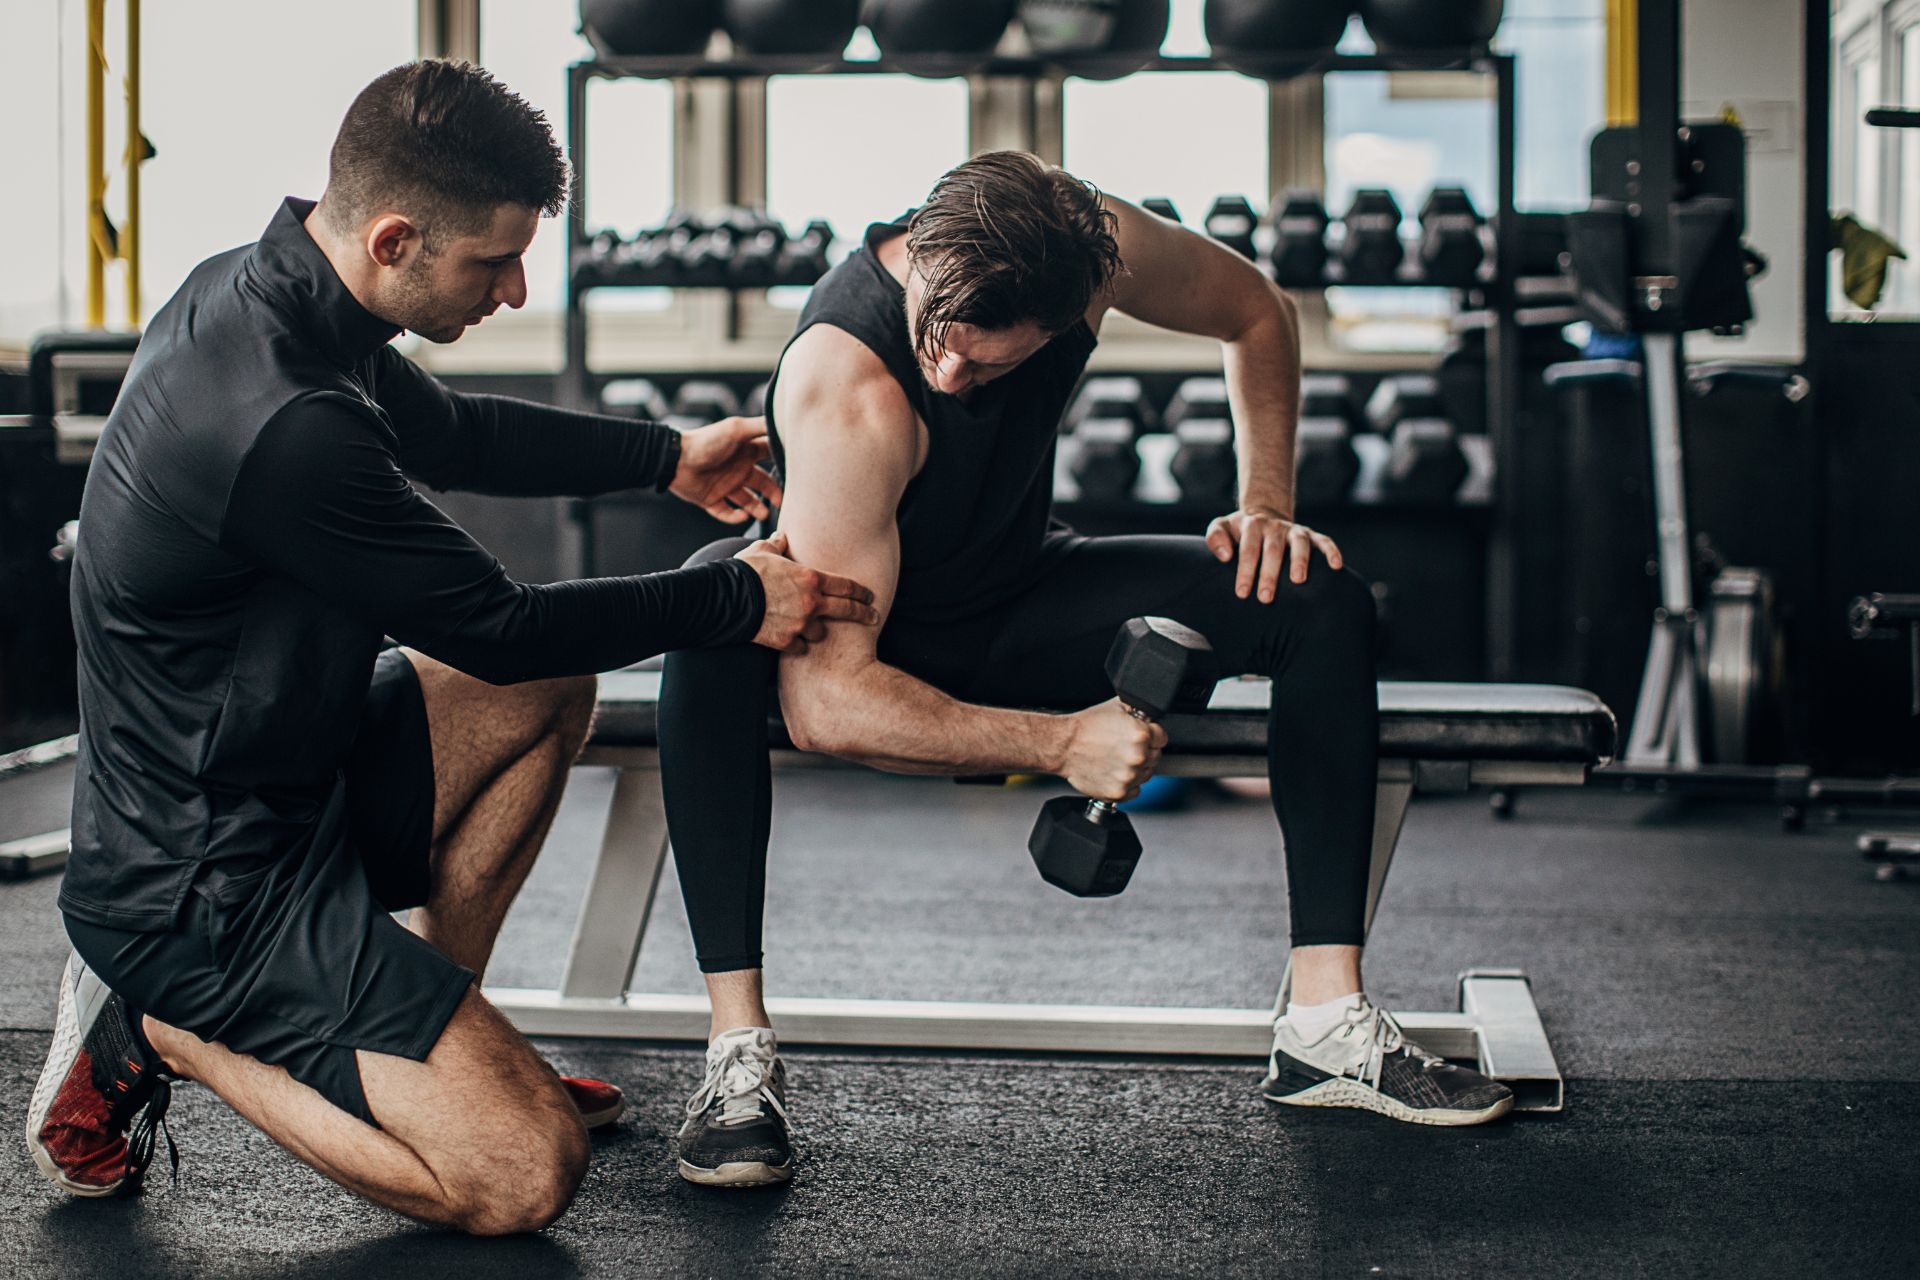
(1380, 1037)
(142, 1138)
(737, 1077)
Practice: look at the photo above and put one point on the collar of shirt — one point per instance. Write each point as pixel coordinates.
(292, 268)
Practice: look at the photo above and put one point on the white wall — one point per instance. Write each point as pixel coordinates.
(1750, 55)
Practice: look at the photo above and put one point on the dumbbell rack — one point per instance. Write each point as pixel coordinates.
(1496, 295)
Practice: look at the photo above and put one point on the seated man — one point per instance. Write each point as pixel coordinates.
(259, 784)
(915, 414)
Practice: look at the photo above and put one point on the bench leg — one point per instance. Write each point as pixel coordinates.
(613, 916)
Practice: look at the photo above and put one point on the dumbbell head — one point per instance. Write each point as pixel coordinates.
(1198, 398)
(705, 399)
(755, 402)
(1089, 853)
(1401, 396)
(1371, 251)
(1299, 254)
(1450, 248)
(1424, 462)
(1157, 665)
(1162, 206)
(1232, 221)
(1106, 459)
(1327, 395)
(1204, 464)
(634, 398)
(1325, 462)
(1112, 398)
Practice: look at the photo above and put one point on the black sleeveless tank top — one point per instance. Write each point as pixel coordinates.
(976, 523)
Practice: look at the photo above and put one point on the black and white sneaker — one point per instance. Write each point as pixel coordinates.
(736, 1129)
(1366, 1061)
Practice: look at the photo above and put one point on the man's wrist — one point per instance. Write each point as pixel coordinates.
(670, 460)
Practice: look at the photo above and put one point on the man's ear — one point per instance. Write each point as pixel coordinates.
(391, 239)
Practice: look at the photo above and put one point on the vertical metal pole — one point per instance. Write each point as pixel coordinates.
(1623, 62)
(1663, 356)
(136, 156)
(1659, 130)
(97, 244)
(1503, 391)
(575, 391)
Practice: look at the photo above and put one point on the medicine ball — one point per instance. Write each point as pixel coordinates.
(648, 28)
(1123, 34)
(790, 26)
(937, 37)
(1275, 28)
(1399, 26)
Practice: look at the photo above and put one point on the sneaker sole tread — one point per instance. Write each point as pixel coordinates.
(737, 1173)
(1340, 1092)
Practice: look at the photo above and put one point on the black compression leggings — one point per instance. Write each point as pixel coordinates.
(1047, 648)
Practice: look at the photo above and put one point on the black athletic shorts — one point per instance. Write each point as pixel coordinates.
(299, 963)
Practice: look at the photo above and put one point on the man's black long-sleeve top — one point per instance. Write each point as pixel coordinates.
(249, 535)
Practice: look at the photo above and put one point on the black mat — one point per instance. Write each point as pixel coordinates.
(927, 1166)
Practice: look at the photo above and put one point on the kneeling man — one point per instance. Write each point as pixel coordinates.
(260, 784)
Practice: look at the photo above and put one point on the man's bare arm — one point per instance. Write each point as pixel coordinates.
(852, 444)
(1186, 282)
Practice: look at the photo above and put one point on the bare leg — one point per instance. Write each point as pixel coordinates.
(500, 762)
(479, 1136)
(1325, 973)
(737, 998)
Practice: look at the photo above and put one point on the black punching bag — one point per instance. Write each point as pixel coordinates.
(648, 28)
(937, 37)
(1403, 26)
(1254, 30)
(1097, 39)
(790, 26)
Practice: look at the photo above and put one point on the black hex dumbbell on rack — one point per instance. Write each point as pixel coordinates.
(1232, 221)
(1299, 253)
(1450, 248)
(1425, 463)
(1088, 847)
(1325, 461)
(1162, 206)
(1372, 252)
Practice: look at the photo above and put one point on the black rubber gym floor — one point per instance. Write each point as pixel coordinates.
(1729, 1002)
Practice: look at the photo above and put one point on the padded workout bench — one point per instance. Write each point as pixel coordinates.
(1433, 737)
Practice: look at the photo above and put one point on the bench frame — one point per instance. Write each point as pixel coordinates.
(1497, 1025)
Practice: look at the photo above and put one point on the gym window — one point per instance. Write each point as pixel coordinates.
(629, 182)
(234, 133)
(857, 149)
(1875, 172)
(1408, 132)
(1136, 137)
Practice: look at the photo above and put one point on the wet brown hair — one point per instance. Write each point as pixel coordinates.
(444, 143)
(1003, 239)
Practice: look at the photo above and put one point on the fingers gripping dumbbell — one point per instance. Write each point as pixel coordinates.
(1088, 847)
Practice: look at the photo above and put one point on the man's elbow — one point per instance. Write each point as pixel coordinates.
(814, 707)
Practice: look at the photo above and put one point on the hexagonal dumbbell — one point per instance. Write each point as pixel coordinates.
(1088, 847)
(1204, 464)
(1112, 397)
(1232, 222)
(1450, 248)
(1162, 206)
(1106, 459)
(1197, 398)
(1299, 253)
(1372, 252)
(705, 399)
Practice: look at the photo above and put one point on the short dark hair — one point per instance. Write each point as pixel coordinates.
(444, 143)
(1003, 239)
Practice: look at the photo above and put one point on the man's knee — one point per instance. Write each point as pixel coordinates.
(530, 1192)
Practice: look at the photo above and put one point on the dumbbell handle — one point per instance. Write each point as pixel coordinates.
(1101, 810)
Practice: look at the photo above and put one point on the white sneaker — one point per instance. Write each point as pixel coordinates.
(1365, 1060)
(736, 1134)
